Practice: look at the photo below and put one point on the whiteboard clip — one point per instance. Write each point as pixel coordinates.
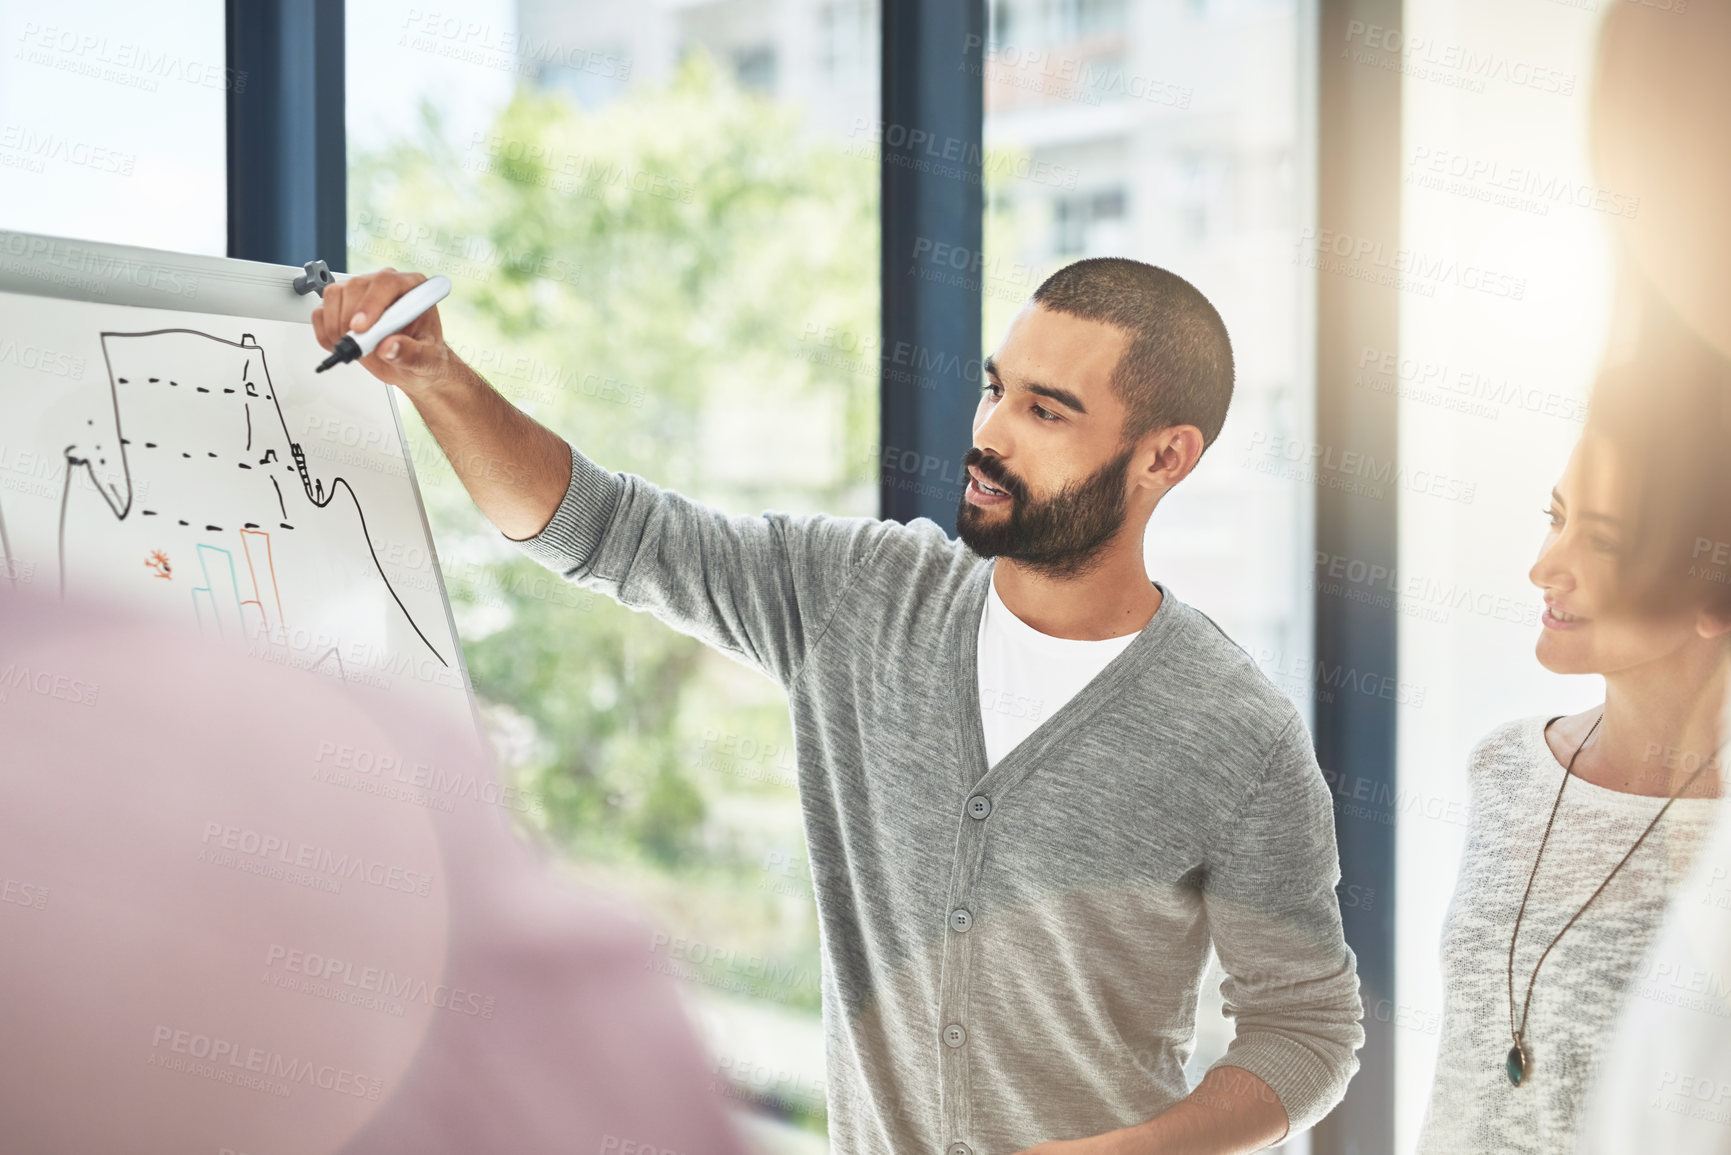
(316, 279)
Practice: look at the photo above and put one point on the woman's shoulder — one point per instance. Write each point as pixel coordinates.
(1512, 747)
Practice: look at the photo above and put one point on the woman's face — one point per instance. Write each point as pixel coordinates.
(1587, 629)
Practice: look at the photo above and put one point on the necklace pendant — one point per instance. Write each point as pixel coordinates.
(1518, 1064)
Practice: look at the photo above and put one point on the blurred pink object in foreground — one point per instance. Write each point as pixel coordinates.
(246, 909)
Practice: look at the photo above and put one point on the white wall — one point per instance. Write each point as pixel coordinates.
(1466, 110)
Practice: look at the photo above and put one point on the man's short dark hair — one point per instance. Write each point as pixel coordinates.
(1178, 367)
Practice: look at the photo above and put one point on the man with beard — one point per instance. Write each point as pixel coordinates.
(1036, 787)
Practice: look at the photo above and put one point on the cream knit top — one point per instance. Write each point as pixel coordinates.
(1514, 779)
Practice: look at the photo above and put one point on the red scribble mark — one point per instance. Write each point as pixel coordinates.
(158, 563)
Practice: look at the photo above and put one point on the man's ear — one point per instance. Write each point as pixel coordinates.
(1171, 454)
(1713, 623)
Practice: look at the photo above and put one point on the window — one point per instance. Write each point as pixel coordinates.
(1032, 23)
(1096, 17)
(626, 201)
(1083, 225)
(114, 123)
(590, 80)
(1203, 193)
(754, 67)
(847, 41)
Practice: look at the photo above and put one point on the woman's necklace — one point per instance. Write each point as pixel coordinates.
(1520, 1060)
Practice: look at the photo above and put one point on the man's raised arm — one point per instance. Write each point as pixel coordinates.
(515, 468)
(762, 589)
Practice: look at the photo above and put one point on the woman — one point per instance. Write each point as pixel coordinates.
(1637, 589)
(1659, 98)
(1581, 826)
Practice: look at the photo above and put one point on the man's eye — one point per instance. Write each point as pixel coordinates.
(1044, 413)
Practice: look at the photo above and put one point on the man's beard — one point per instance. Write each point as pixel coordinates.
(1061, 536)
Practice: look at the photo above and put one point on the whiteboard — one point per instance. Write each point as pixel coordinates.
(166, 445)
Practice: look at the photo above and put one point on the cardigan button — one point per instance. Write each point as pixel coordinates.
(979, 806)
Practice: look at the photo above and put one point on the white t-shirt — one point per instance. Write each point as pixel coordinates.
(1026, 676)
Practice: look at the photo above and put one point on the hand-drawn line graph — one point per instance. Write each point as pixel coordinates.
(222, 596)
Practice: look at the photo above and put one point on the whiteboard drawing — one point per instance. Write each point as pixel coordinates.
(190, 463)
(193, 405)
